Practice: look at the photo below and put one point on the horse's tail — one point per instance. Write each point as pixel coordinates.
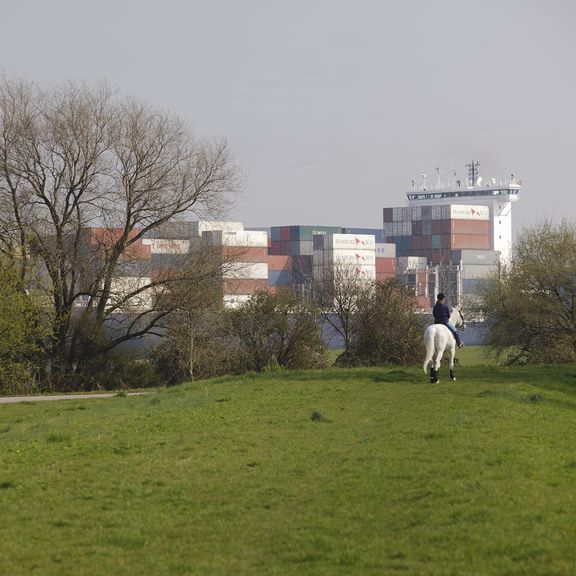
(429, 344)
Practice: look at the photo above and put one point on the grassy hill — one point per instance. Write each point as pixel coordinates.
(368, 471)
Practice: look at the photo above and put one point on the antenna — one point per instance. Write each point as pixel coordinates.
(473, 171)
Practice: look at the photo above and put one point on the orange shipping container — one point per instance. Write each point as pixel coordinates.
(278, 263)
(476, 227)
(244, 286)
(470, 242)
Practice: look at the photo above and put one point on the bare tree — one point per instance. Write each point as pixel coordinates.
(338, 288)
(75, 156)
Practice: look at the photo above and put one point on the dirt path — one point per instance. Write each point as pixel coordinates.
(16, 399)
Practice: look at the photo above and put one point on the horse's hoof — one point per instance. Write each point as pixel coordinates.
(453, 379)
(434, 380)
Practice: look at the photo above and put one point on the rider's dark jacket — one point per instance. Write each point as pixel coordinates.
(441, 313)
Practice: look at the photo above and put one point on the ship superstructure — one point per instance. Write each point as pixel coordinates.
(497, 194)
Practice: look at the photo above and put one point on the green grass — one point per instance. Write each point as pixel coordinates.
(368, 471)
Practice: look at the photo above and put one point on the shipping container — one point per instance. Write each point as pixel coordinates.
(167, 246)
(198, 228)
(426, 212)
(348, 256)
(470, 241)
(275, 234)
(285, 233)
(436, 241)
(236, 300)
(245, 254)
(280, 278)
(172, 231)
(378, 233)
(491, 257)
(301, 248)
(244, 285)
(385, 250)
(351, 241)
(436, 226)
(388, 215)
(469, 212)
(427, 227)
(476, 285)
(122, 286)
(416, 228)
(388, 230)
(279, 263)
(248, 270)
(469, 227)
(406, 242)
(475, 271)
(411, 263)
(386, 266)
(239, 238)
(306, 233)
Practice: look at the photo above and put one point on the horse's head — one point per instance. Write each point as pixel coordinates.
(456, 318)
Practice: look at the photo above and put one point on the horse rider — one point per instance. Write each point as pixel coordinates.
(441, 313)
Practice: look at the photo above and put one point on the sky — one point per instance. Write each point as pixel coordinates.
(332, 107)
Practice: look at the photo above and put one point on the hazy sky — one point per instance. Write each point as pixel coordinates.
(332, 107)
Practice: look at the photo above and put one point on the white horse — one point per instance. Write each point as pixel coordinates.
(438, 339)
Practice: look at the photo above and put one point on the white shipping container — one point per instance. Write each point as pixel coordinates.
(235, 300)
(208, 226)
(367, 272)
(406, 228)
(476, 271)
(469, 212)
(248, 270)
(350, 241)
(237, 238)
(396, 214)
(388, 229)
(167, 246)
(416, 213)
(412, 263)
(122, 286)
(491, 257)
(385, 250)
(351, 256)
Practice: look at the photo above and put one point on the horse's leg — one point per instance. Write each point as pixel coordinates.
(433, 375)
(437, 362)
(452, 353)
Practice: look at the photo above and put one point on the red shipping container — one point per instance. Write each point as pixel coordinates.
(436, 227)
(476, 227)
(285, 233)
(386, 266)
(245, 254)
(383, 276)
(416, 228)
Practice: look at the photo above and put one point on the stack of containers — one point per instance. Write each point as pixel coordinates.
(385, 261)
(245, 253)
(133, 271)
(280, 272)
(477, 267)
(435, 231)
(356, 252)
(297, 240)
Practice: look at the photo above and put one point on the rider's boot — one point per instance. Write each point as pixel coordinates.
(459, 342)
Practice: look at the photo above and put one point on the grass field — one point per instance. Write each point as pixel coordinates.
(368, 471)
